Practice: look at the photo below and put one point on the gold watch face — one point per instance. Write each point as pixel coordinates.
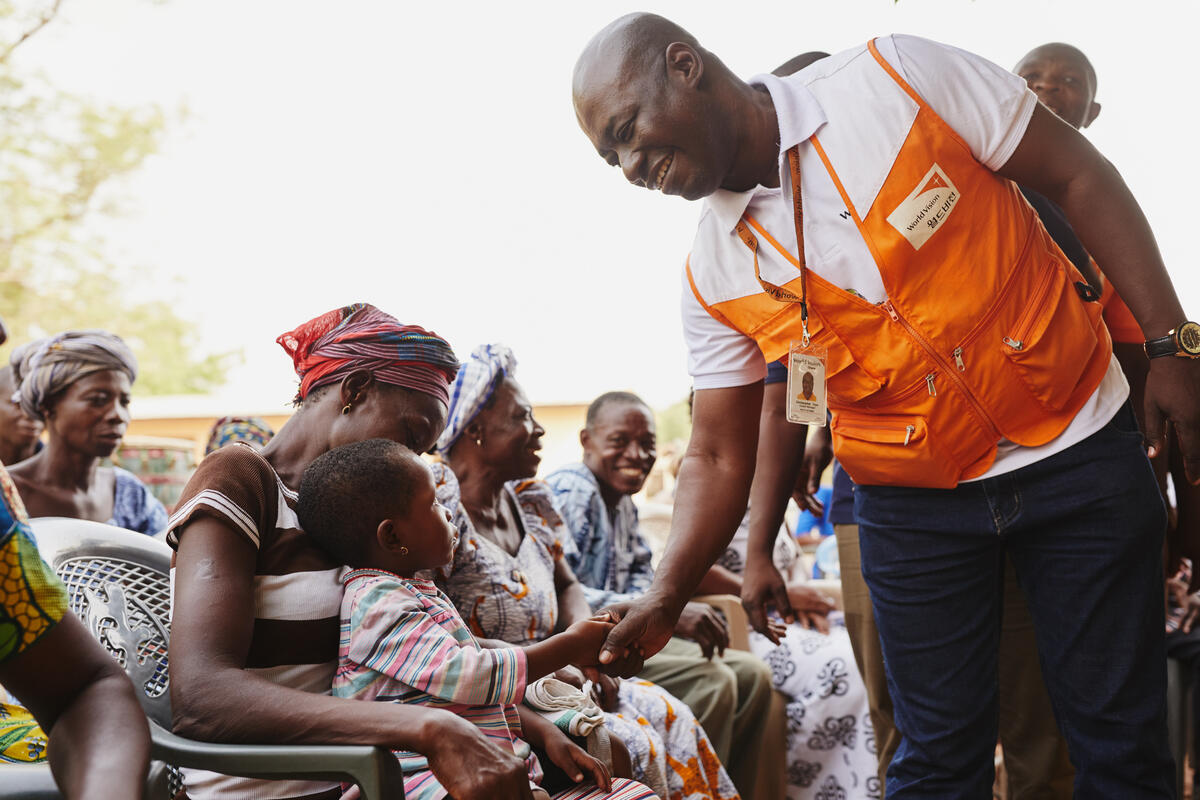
(1189, 338)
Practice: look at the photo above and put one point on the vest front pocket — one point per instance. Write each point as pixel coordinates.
(1051, 344)
(849, 383)
(890, 450)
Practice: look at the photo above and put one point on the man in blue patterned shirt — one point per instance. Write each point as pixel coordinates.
(729, 691)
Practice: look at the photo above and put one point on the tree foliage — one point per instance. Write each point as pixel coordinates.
(61, 160)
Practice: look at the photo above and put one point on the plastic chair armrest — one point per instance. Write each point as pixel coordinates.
(374, 769)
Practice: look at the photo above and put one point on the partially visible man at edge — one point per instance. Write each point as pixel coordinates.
(1018, 431)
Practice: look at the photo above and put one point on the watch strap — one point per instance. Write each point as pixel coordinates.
(1162, 346)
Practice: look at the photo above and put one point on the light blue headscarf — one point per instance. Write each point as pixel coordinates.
(473, 386)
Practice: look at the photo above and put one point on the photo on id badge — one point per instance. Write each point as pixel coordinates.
(806, 387)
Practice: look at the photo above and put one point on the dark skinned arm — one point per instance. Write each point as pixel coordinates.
(778, 465)
(85, 703)
(215, 699)
(1059, 162)
(710, 499)
(719, 580)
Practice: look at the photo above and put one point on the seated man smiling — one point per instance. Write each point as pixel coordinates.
(729, 691)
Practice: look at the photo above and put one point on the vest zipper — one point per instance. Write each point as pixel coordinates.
(1025, 324)
(908, 432)
(984, 321)
(929, 383)
(928, 348)
(958, 361)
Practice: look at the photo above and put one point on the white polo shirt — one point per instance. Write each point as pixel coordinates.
(989, 107)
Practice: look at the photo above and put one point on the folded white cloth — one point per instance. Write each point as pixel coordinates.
(564, 705)
(573, 712)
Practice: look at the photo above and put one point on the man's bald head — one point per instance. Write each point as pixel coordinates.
(1064, 80)
(669, 113)
(632, 45)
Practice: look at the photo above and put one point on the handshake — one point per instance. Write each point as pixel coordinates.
(585, 638)
(580, 646)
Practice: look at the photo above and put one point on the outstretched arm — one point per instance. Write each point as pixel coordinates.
(710, 499)
(1055, 159)
(83, 700)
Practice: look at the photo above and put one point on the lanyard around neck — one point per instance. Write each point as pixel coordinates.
(778, 292)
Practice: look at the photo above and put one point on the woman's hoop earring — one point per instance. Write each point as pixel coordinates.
(403, 550)
(346, 408)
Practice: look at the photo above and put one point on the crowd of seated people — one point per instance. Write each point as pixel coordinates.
(328, 564)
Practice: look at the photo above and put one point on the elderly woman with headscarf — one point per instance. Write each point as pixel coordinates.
(254, 635)
(78, 384)
(510, 580)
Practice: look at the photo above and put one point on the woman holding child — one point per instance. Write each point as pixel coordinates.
(509, 578)
(254, 643)
(373, 505)
(255, 627)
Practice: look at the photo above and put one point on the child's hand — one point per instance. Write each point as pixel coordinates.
(587, 636)
(575, 762)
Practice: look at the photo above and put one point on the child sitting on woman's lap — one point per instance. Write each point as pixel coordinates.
(372, 505)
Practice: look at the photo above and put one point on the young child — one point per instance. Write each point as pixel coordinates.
(372, 505)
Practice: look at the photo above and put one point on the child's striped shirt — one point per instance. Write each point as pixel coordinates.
(403, 641)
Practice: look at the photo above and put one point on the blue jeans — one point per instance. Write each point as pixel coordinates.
(1085, 530)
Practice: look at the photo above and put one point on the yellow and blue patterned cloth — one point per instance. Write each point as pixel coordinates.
(32, 600)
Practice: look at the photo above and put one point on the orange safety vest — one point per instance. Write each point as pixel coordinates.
(983, 335)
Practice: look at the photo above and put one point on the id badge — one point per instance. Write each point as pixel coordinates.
(806, 385)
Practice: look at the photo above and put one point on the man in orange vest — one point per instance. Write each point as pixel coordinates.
(861, 215)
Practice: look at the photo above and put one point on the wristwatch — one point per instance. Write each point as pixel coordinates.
(1183, 341)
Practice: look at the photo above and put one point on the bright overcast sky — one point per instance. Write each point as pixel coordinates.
(424, 157)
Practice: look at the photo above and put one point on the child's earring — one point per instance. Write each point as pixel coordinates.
(403, 550)
(346, 408)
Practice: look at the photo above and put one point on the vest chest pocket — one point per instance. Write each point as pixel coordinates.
(847, 382)
(851, 383)
(1052, 342)
(890, 449)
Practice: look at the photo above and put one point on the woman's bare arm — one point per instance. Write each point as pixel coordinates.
(83, 700)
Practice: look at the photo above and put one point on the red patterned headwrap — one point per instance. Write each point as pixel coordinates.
(326, 349)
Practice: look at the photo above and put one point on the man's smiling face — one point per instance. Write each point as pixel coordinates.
(650, 121)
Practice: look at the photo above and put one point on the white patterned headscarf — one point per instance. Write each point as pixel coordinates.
(473, 387)
(43, 368)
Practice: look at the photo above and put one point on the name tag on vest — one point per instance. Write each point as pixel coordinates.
(926, 208)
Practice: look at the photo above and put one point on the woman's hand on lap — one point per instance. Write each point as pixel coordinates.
(469, 765)
(812, 608)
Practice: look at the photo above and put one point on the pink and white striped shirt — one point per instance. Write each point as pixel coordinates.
(403, 641)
